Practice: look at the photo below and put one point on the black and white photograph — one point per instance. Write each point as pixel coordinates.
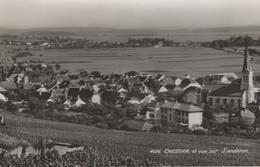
(129, 83)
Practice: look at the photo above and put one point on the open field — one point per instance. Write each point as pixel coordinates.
(138, 144)
(196, 61)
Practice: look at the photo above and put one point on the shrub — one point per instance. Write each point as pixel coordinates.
(11, 107)
(102, 125)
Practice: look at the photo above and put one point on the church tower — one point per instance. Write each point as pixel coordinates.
(247, 78)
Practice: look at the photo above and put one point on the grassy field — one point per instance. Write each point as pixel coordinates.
(196, 61)
(139, 144)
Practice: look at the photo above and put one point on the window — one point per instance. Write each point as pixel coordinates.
(224, 101)
(151, 115)
(218, 100)
(232, 101)
(210, 101)
(245, 78)
(186, 120)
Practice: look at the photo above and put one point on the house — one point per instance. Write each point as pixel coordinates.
(220, 78)
(8, 85)
(42, 90)
(122, 93)
(96, 98)
(62, 77)
(122, 90)
(72, 93)
(191, 95)
(57, 94)
(166, 81)
(163, 89)
(148, 99)
(74, 83)
(3, 98)
(183, 114)
(248, 117)
(187, 82)
(134, 100)
(167, 111)
(134, 84)
(153, 113)
(189, 115)
(152, 85)
(79, 102)
(176, 80)
(2, 89)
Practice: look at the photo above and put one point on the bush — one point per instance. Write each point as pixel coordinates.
(200, 132)
(102, 125)
(11, 107)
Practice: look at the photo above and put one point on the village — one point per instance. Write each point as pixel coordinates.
(217, 104)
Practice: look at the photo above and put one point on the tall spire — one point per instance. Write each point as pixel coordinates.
(245, 65)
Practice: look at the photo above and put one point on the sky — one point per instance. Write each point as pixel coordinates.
(173, 14)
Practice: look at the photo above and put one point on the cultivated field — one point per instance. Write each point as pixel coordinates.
(196, 61)
(139, 144)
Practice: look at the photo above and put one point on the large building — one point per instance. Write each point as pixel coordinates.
(180, 113)
(240, 92)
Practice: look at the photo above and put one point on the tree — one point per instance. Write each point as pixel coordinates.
(131, 73)
(109, 96)
(132, 110)
(95, 73)
(36, 104)
(11, 107)
(83, 73)
(57, 67)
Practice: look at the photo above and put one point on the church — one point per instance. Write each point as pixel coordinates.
(242, 92)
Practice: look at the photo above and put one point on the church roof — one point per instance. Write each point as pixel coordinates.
(232, 90)
(212, 87)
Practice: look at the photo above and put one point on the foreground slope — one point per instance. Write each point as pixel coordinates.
(139, 144)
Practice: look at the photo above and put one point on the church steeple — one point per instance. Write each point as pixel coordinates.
(247, 78)
(246, 63)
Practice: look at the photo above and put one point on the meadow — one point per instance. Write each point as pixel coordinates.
(138, 145)
(196, 61)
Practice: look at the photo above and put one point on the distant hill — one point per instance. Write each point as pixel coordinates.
(9, 31)
(47, 33)
(243, 29)
(94, 31)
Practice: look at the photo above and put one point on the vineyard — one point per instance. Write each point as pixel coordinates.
(136, 146)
